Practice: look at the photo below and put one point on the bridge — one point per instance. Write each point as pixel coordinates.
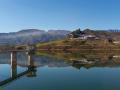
(30, 72)
(19, 48)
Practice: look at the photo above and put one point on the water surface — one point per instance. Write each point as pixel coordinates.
(60, 71)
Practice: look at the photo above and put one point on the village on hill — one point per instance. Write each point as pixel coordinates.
(110, 36)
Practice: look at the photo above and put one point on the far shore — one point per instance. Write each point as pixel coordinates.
(79, 50)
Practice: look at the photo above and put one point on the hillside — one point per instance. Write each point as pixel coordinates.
(104, 34)
(76, 45)
(84, 40)
(30, 36)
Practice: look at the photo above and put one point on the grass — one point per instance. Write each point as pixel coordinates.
(78, 44)
(49, 43)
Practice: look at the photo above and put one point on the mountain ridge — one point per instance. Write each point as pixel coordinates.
(31, 36)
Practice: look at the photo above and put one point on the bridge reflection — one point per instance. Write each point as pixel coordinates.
(30, 72)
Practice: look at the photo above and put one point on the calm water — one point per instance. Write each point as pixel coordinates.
(60, 71)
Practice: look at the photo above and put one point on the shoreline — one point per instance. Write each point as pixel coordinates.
(78, 50)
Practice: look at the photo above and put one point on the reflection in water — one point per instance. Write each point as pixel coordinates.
(30, 71)
(56, 59)
(31, 66)
(86, 59)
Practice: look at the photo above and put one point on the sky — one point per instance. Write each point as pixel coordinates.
(16, 15)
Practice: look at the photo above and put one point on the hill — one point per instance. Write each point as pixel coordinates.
(84, 40)
(31, 36)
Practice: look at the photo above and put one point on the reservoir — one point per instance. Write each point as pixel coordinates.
(60, 71)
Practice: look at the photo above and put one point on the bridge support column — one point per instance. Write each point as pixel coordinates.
(30, 61)
(31, 66)
(13, 64)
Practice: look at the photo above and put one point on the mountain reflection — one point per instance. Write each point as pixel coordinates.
(39, 60)
(87, 59)
(29, 60)
(64, 59)
(55, 59)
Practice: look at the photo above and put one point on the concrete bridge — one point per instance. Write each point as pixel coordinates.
(18, 48)
(24, 47)
(30, 72)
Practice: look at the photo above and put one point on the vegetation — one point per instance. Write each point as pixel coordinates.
(84, 40)
(67, 44)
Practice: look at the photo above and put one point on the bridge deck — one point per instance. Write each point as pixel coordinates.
(18, 50)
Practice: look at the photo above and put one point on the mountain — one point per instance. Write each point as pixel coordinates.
(104, 34)
(30, 36)
(60, 32)
(84, 40)
(101, 34)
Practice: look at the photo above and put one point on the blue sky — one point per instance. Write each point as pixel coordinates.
(59, 14)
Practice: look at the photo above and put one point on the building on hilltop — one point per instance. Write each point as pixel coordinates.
(78, 34)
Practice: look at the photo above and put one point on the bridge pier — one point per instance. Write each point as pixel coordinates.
(31, 72)
(30, 63)
(13, 64)
(31, 66)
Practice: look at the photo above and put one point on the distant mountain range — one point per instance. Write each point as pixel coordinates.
(30, 36)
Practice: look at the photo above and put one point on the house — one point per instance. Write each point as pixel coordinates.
(75, 34)
(85, 37)
(78, 34)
